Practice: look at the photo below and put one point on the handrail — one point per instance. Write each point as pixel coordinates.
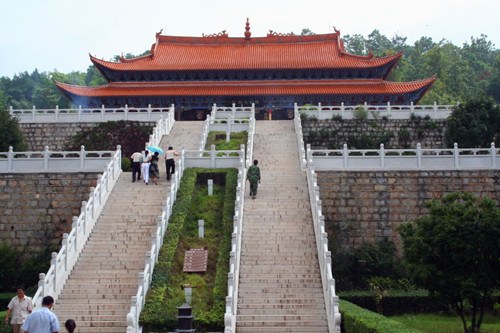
(62, 262)
(235, 254)
(50, 161)
(80, 114)
(324, 255)
(300, 140)
(163, 127)
(389, 110)
(406, 159)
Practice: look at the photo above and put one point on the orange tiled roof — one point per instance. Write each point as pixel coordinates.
(221, 52)
(248, 88)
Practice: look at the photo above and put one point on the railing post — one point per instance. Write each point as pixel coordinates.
(53, 262)
(66, 255)
(41, 283)
(456, 155)
(382, 156)
(46, 158)
(149, 111)
(126, 111)
(319, 110)
(389, 109)
(74, 225)
(82, 157)
(33, 113)
(213, 155)
(345, 155)
(412, 107)
(419, 156)
(103, 111)
(57, 112)
(342, 109)
(493, 155)
(10, 158)
(435, 110)
(85, 216)
(365, 106)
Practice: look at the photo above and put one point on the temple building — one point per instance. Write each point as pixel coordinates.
(273, 72)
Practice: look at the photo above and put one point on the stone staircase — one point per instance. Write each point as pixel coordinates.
(98, 292)
(280, 286)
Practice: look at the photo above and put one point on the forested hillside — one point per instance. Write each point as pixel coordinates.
(463, 71)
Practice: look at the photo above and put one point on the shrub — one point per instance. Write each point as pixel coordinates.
(359, 320)
(360, 113)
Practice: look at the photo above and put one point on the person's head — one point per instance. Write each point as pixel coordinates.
(48, 301)
(70, 325)
(170, 148)
(255, 162)
(156, 153)
(146, 153)
(20, 291)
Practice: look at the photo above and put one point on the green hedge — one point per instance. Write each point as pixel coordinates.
(358, 320)
(156, 316)
(403, 302)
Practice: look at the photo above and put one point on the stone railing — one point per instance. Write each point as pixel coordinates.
(321, 112)
(231, 125)
(235, 254)
(405, 159)
(324, 255)
(300, 140)
(62, 263)
(232, 111)
(93, 115)
(163, 127)
(54, 161)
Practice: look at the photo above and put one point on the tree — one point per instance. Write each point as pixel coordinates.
(476, 123)
(10, 133)
(454, 253)
(307, 32)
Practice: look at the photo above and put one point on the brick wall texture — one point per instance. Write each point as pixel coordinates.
(368, 206)
(38, 208)
(332, 134)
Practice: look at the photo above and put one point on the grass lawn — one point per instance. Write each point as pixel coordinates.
(444, 324)
(219, 140)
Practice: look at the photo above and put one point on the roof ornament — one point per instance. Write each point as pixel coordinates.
(247, 30)
(335, 29)
(220, 34)
(278, 34)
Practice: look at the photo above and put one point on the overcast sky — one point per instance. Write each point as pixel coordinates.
(59, 34)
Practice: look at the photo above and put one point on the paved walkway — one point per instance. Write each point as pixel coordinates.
(280, 284)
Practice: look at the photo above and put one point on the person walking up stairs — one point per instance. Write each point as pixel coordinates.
(280, 286)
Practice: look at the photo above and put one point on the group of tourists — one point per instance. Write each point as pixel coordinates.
(43, 320)
(147, 165)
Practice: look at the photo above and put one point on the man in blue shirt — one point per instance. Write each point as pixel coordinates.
(42, 320)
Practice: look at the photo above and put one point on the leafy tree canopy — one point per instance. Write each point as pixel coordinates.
(475, 123)
(454, 252)
(10, 133)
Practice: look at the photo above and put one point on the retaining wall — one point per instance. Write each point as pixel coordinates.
(332, 134)
(55, 135)
(367, 206)
(38, 208)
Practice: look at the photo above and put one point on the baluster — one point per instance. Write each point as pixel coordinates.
(456, 155)
(382, 156)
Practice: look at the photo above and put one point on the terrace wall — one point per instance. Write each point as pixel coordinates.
(366, 206)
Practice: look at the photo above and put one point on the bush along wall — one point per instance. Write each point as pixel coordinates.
(210, 288)
(359, 320)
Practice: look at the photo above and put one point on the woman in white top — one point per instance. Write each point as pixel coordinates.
(145, 167)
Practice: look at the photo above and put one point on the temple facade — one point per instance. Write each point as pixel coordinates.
(273, 72)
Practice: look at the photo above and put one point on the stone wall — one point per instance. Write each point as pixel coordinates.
(38, 208)
(55, 135)
(368, 206)
(332, 134)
